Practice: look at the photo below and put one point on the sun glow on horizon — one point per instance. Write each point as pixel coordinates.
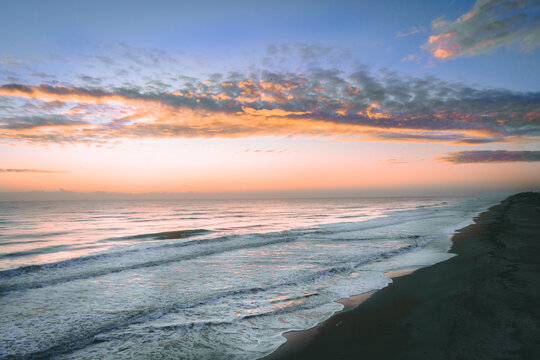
(246, 165)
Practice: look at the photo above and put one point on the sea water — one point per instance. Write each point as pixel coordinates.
(201, 279)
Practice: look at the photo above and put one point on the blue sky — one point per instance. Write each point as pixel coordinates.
(367, 29)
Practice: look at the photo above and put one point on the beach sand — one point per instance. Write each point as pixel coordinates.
(482, 304)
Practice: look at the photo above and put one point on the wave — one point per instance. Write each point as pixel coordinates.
(417, 238)
(8, 274)
(396, 218)
(34, 235)
(206, 247)
(269, 239)
(351, 216)
(141, 317)
(165, 235)
(9, 243)
(38, 251)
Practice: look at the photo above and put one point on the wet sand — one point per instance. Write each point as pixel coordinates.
(482, 304)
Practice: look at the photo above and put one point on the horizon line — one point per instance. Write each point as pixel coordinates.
(67, 195)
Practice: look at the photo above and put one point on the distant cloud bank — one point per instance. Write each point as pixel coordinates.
(466, 157)
(357, 105)
(31, 171)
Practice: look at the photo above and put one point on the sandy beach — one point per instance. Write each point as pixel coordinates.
(480, 304)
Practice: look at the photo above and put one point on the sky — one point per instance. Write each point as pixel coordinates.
(264, 96)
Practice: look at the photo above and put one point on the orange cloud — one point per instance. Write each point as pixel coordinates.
(466, 16)
(443, 46)
(271, 113)
(259, 108)
(368, 112)
(439, 23)
(267, 91)
(490, 24)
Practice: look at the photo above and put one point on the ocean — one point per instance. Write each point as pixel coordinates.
(202, 279)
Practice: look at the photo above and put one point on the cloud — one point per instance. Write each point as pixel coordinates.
(31, 171)
(8, 60)
(34, 122)
(356, 105)
(497, 156)
(411, 57)
(303, 56)
(489, 25)
(396, 161)
(411, 31)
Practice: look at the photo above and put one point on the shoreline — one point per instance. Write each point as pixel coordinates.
(353, 301)
(397, 322)
(296, 339)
